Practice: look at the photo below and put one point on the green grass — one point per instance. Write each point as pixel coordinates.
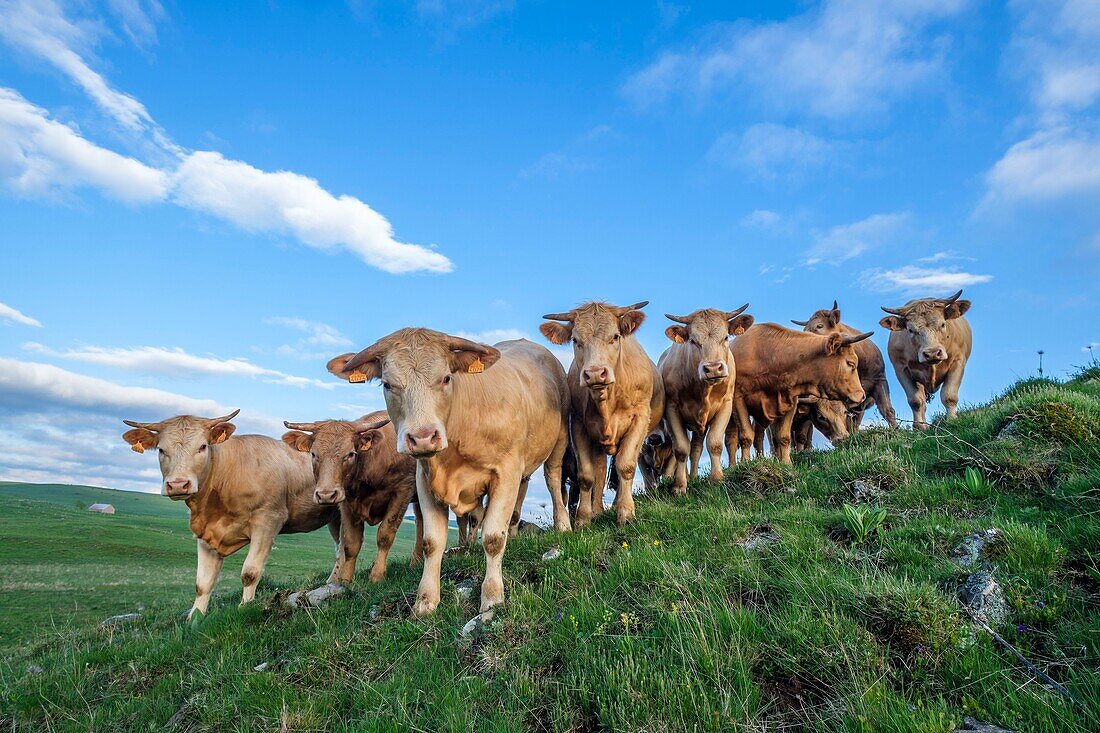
(670, 623)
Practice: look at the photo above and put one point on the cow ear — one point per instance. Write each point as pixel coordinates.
(894, 323)
(741, 324)
(834, 344)
(629, 322)
(369, 370)
(220, 432)
(834, 316)
(556, 333)
(367, 439)
(956, 309)
(140, 439)
(298, 440)
(474, 361)
(677, 334)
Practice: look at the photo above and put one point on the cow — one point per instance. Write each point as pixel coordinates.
(830, 417)
(657, 459)
(356, 467)
(699, 374)
(240, 490)
(775, 367)
(872, 367)
(929, 345)
(617, 398)
(479, 420)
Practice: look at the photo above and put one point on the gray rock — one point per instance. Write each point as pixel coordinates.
(760, 537)
(476, 625)
(971, 551)
(374, 613)
(465, 589)
(552, 554)
(985, 598)
(864, 492)
(124, 618)
(317, 596)
(33, 669)
(1011, 431)
(970, 724)
(261, 666)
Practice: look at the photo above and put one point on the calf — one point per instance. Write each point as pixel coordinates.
(829, 416)
(479, 420)
(930, 342)
(776, 366)
(698, 372)
(356, 466)
(872, 367)
(657, 459)
(240, 490)
(617, 398)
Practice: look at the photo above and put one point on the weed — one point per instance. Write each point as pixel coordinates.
(862, 521)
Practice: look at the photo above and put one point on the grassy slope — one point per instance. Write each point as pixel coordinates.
(62, 567)
(670, 623)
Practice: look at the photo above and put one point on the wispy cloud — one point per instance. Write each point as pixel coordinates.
(318, 336)
(771, 151)
(915, 280)
(837, 59)
(842, 243)
(762, 218)
(580, 154)
(1050, 165)
(9, 315)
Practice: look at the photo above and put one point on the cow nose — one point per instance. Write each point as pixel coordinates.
(327, 496)
(424, 440)
(597, 375)
(714, 369)
(935, 354)
(178, 485)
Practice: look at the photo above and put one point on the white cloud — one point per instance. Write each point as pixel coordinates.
(1047, 166)
(319, 335)
(138, 18)
(1056, 49)
(760, 218)
(39, 156)
(920, 280)
(579, 155)
(173, 363)
(9, 315)
(844, 242)
(837, 59)
(770, 150)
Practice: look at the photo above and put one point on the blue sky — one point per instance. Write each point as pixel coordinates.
(201, 204)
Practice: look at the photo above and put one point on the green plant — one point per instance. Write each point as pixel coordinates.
(863, 521)
(974, 482)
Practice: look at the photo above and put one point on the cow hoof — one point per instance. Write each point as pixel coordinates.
(625, 517)
(679, 491)
(562, 526)
(423, 608)
(377, 577)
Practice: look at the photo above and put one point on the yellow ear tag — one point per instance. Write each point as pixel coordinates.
(477, 367)
(137, 448)
(357, 377)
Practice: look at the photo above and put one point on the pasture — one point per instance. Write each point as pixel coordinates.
(743, 606)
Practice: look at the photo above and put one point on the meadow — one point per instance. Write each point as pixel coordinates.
(748, 605)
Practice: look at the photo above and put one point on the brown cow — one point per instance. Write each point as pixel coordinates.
(872, 367)
(356, 466)
(657, 459)
(930, 342)
(617, 398)
(775, 367)
(240, 490)
(699, 374)
(478, 420)
(830, 417)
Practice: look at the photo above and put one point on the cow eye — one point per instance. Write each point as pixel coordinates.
(202, 447)
(616, 337)
(162, 452)
(447, 379)
(386, 386)
(350, 455)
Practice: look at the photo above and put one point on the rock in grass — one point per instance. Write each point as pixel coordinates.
(465, 589)
(261, 666)
(476, 625)
(970, 724)
(760, 537)
(864, 492)
(973, 548)
(124, 618)
(33, 669)
(317, 596)
(552, 554)
(985, 598)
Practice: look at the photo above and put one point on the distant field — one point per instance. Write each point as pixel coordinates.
(61, 566)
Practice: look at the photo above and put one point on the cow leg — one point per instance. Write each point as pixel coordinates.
(517, 510)
(206, 577)
(802, 436)
(435, 541)
(259, 547)
(589, 462)
(949, 391)
(473, 521)
(418, 548)
(463, 530)
(737, 434)
(758, 432)
(881, 395)
(626, 463)
(552, 472)
(494, 537)
(335, 530)
(783, 435)
(387, 530)
(716, 433)
(914, 393)
(681, 447)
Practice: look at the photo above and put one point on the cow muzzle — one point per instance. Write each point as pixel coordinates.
(713, 371)
(328, 496)
(855, 400)
(933, 355)
(423, 442)
(598, 377)
(179, 488)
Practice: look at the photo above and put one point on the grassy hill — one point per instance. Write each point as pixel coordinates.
(675, 622)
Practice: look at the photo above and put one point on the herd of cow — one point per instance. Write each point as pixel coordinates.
(466, 425)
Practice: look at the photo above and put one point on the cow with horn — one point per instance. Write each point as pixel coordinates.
(930, 342)
(699, 376)
(240, 490)
(617, 398)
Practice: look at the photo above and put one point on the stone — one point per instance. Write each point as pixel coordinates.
(124, 618)
(970, 725)
(261, 666)
(317, 596)
(971, 551)
(476, 625)
(465, 589)
(984, 597)
(864, 492)
(33, 669)
(552, 554)
(374, 613)
(760, 537)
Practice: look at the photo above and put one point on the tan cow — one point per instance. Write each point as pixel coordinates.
(830, 417)
(872, 367)
(478, 420)
(698, 372)
(930, 342)
(617, 398)
(356, 466)
(240, 490)
(775, 367)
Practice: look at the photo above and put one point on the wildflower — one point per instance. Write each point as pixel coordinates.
(626, 544)
(656, 543)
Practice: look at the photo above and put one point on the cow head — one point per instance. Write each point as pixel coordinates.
(822, 322)
(830, 417)
(707, 331)
(417, 368)
(336, 447)
(597, 331)
(840, 380)
(925, 320)
(183, 446)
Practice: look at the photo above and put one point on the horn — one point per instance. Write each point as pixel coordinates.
(953, 298)
(224, 418)
(457, 343)
(799, 323)
(894, 311)
(636, 306)
(848, 340)
(368, 354)
(153, 427)
(835, 306)
(679, 319)
(733, 314)
(363, 424)
(307, 427)
(567, 317)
